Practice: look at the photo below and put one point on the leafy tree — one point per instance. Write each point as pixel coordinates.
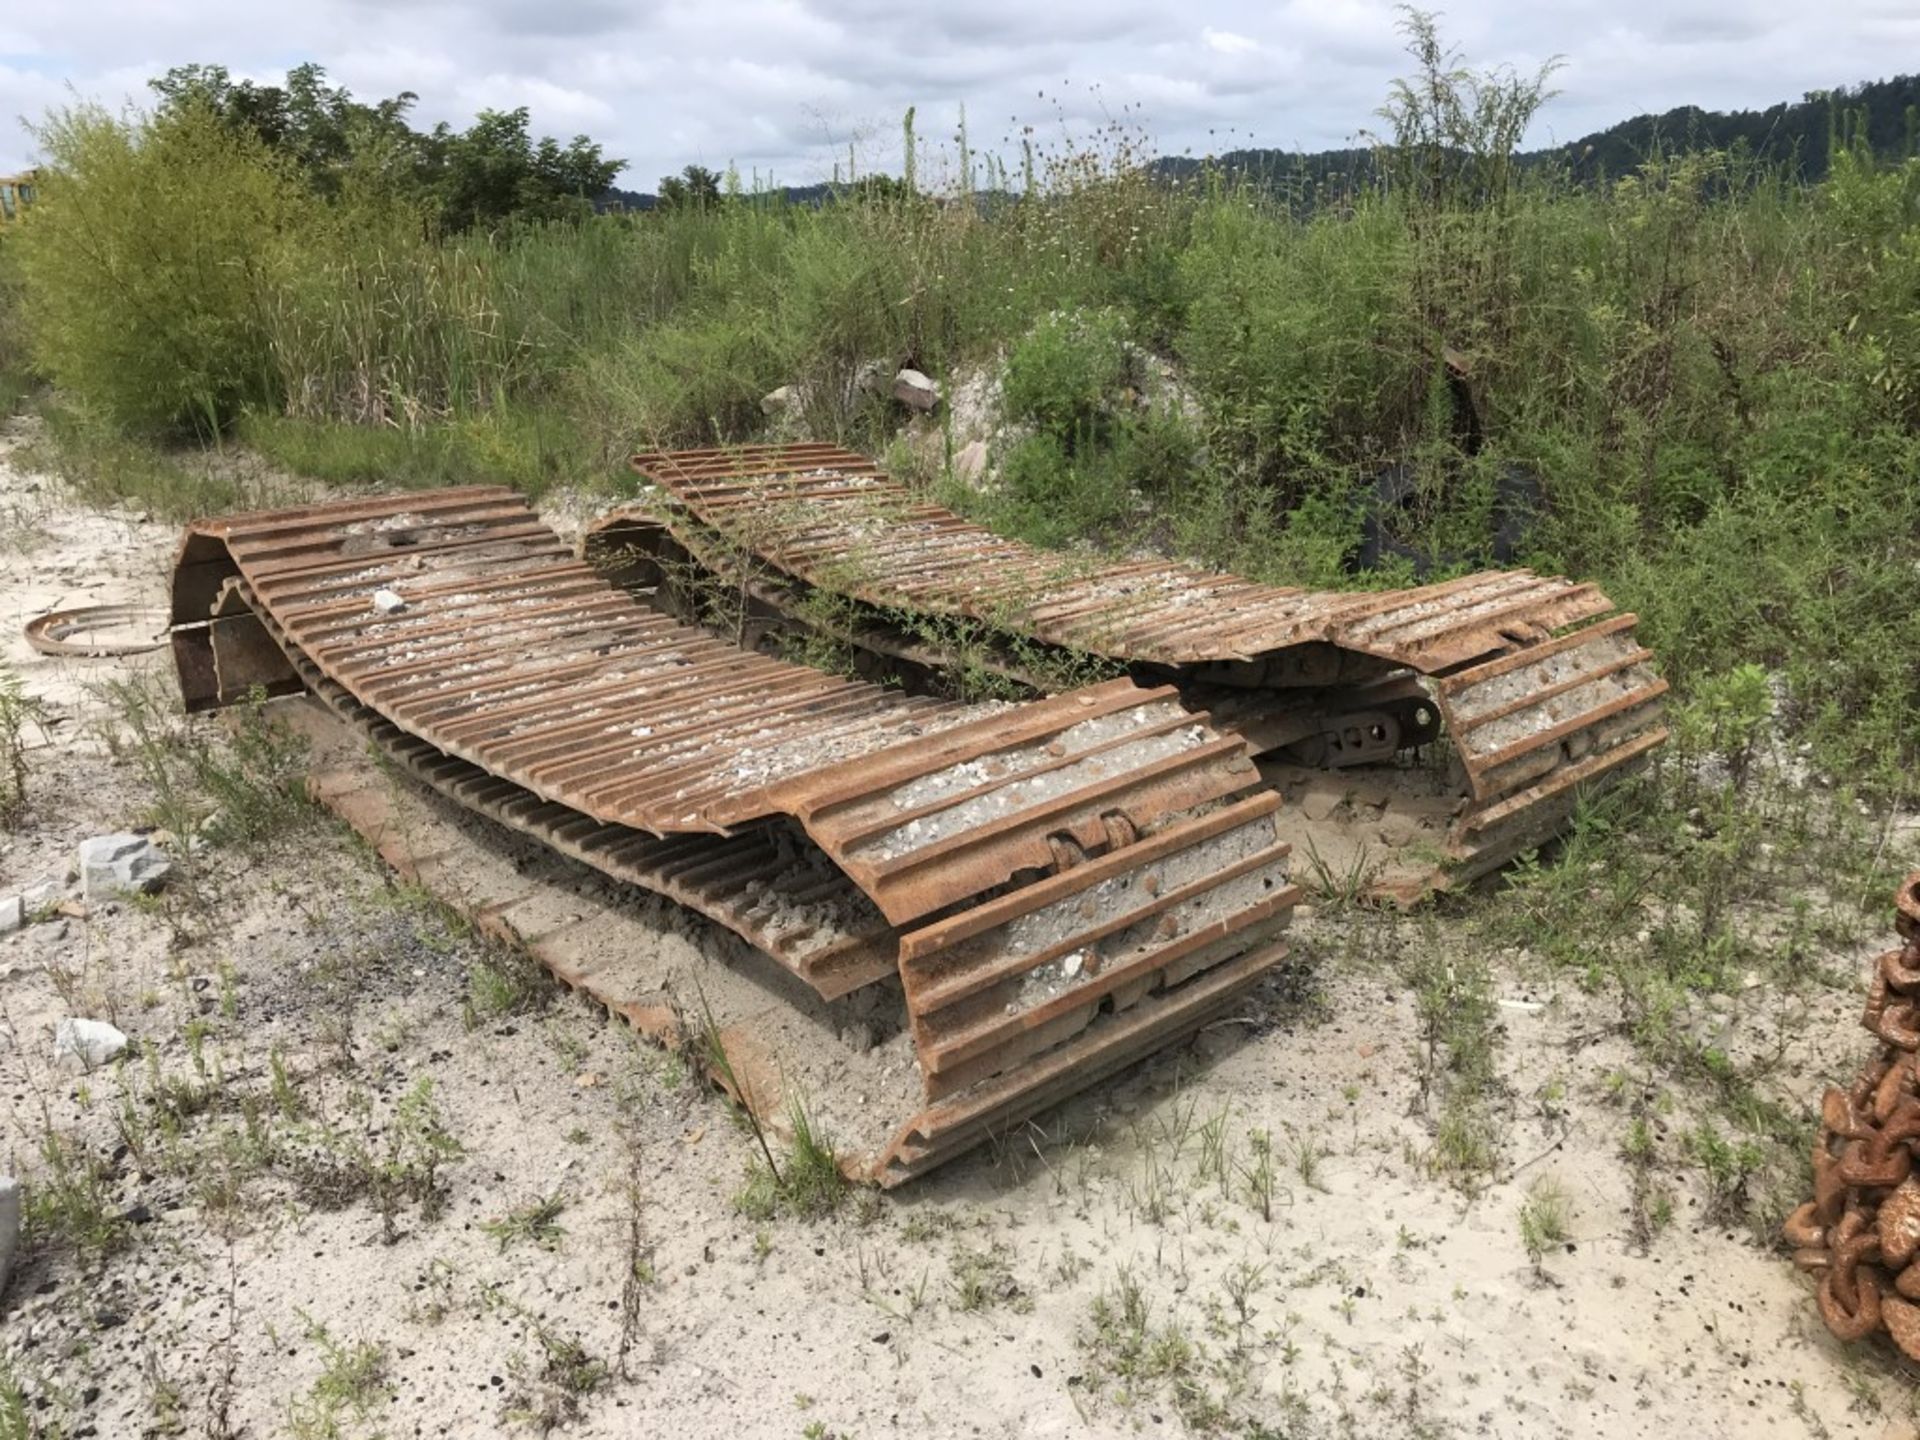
(490, 173)
(152, 261)
(694, 188)
(320, 127)
(495, 171)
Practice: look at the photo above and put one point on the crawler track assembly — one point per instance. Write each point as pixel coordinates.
(1534, 687)
(966, 912)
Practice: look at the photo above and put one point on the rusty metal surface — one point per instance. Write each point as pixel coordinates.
(765, 884)
(1027, 971)
(512, 654)
(1860, 1233)
(831, 518)
(924, 828)
(591, 951)
(90, 631)
(812, 816)
(1541, 719)
(1536, 696)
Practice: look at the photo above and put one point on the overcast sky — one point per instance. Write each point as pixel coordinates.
(783, 86)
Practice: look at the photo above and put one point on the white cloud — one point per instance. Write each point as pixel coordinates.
(1227, 42)
(783, 86)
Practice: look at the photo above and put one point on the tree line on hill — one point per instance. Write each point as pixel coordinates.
(496, 170)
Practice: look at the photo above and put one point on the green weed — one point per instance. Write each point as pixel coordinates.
(506, 980)
(1544, 1217)
(18, 712)
(537, 1222)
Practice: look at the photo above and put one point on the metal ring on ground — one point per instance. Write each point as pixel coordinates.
(71, 632)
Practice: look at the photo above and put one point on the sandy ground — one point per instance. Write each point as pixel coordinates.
(1362, 1296)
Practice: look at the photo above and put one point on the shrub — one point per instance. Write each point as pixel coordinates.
(150, 259)
(1064, 374)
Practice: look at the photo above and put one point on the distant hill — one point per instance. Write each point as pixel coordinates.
(617, 199)
(1885, 114)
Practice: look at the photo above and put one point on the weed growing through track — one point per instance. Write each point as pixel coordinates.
(809, 1183)
(506, 980)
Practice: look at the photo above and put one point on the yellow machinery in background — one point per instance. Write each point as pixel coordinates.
(16, 194)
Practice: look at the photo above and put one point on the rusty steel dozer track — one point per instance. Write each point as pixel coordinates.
(1530, 685)
(950, 916)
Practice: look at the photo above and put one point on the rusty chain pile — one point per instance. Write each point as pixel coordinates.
(1861, 1231)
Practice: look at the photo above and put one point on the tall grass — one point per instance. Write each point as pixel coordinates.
(393, 336)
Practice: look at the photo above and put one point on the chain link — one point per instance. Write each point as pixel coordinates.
(1861, 1231)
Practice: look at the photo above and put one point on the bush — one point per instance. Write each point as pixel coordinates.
(1063, 375)
(1054, 497)
(151, 258)
(15, 376)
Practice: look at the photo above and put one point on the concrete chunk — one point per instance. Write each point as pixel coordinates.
(915, 391)
(92, 1042)
(121, 865)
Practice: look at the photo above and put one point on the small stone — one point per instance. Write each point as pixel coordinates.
(915, 391)
(1070, 967)
(121, 864)
(388, 602)
(9, 1226)
(36, 899)
(777, 402)
(92, 1042)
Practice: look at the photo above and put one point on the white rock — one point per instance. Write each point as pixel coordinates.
(387, 602)
(121, 865)
(970, 462)
(92, 1042)
(915, 391)
(17, 910)
(9, 1226)
(777, 402)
